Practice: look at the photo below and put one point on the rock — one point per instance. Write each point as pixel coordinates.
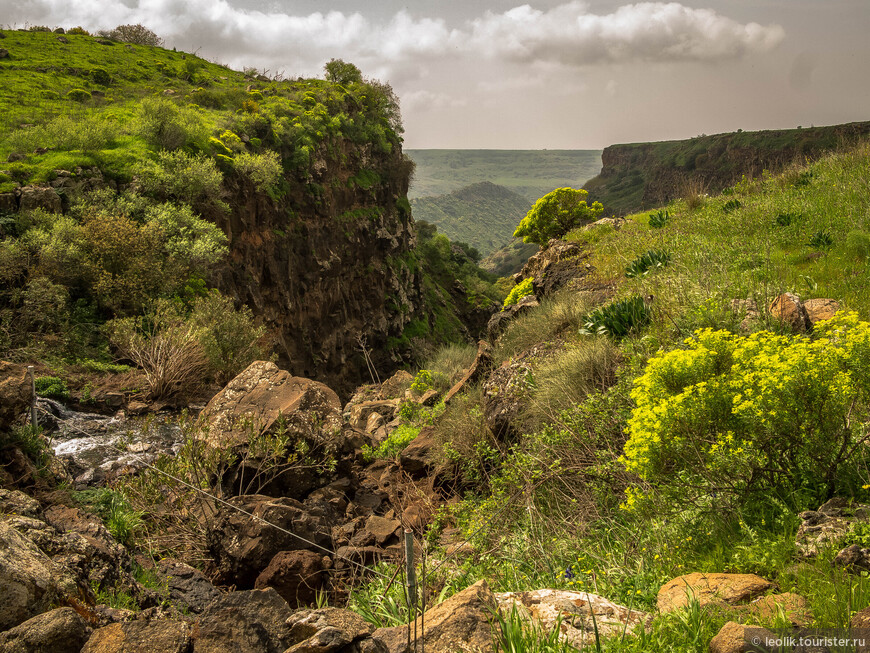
(137, 408)
(429, 398)
(326, 630)
(296, 575)
(860, 620)
(253, 620)
(748, 310)
(615, 223)
(363, 555)
(63, 39)
(854, 558)
(556, 266)
(461, 623)
(821, 309)
(481, 365)
(499, 321)
(788, 309)
(420, 452)
(16, 391)
(4, 53)
(31, 581)
(792, 606)
(360, 413)
(242, 547)
(382, 529)
(114, 399)
(395, 386)
(829, 525)
(36, 197)
(60, 630)
(8, 202)
(505, 395)
(737, 638)
(575, 612)
(707, 589)
(188, 587)
(164, 635)
(13, 502)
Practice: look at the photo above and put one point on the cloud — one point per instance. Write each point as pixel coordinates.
(428, 101)
(567, 35)
(648, 31)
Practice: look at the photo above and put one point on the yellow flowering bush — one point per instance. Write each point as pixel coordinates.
(732, 416)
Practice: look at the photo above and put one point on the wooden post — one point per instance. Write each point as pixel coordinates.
(410, 574)
(34, 422)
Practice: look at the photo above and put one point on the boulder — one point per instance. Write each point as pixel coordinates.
(383, 529)
(829, 525)
(737, 638)
(164, 635)
(60, 630)
(296, 575)
(326, 630)
(461, 623)
(499, 321)
(788, 309)
(16, 392)
(615, 223)
(821, 309)
(361, 412)
(560, 264)
(711, 589)
(505, 395)
(579, 614)
(31, 581)
(747, 311)
(481, 365)
(258, 396)
(854, 558)
(242, 546)
(420, 452)
(188, 587)
(396, 385)
(792, 606)
(14, 502)
(37, 197)
(253, 620)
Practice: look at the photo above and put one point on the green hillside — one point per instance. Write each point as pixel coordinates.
(510, 258)
(530, 173)
(484, 215)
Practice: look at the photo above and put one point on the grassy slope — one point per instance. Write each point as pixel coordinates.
(483, 215)
(530, 173)
(510, 258)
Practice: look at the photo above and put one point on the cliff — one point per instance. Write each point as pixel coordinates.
(640, 176)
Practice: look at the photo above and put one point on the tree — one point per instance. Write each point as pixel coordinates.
(555, 214)
(136, 34)
(342, 72)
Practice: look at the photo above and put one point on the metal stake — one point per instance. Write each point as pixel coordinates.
(33, 419)
(409, 567)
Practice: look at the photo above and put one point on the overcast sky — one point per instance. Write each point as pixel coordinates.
(549, 74)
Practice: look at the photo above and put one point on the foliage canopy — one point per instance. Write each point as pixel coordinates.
(555, 214)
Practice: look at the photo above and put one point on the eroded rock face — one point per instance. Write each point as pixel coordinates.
(165, 635)
(15, 393)
(253, 620)
(716, 589)
(505, 393)
(499, 321)
(579, 613)
(560, 264)
(60, 630)
(242, 546)
(461, 623)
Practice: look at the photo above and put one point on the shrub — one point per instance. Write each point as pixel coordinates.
(731, 205)
(165, 345)
(821, 240)
(52, 386)
(732, 418)
(651, 259)
(136, 34)
(164, 125)
(786, 219)
(78, 95)
(618, 318)
(659, 219)
(264, 170)
(193, 179)
(78, 30)
(422, 381)
(522, 289)
(122, 521)
(555, 214)
(100, 76)
(391, 447)
(449, 364)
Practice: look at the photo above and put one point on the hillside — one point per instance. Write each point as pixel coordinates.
(529, 173)
(136, 175)
(483, 215)
(509, 258)
(637, 176)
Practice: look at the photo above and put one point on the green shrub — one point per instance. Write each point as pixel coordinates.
(264, 170)
(122, 521)
(78, 95)
(651, 259)
(52, 386)
(731, 205)
(659, 219)
(193, 179)
(522, 289)
(555, 214)
(618, 318)
(391, 447)
(78, 30)
(102, 367)
(165, 125)
(733, 418)
(449, 364)
(787, 219)
(422, 381)
(821, 240)
(101, 76)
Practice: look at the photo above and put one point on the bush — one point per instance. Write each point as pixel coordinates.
(555, 214)
(391, 447)
(100, 76)
(821, 240)
(522, 289)
(264, 170)
(731, 205)
(193, 179)
(733, 419)
(52, 386)
(422, 382)
(164, 125)
(659, 219)
(136, 34)
(449, 365)
(78, 95)
(619, 318)
(81, 31)
(651, 259)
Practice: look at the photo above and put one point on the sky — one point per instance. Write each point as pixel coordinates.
(499, 74)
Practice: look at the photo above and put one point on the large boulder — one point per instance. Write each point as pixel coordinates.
(37, 197)
(580, 615)
(330, 630)
(59, 631)
(164, 635)
(560, 264)
(790, 311)
(14, 502)
(738, 638)
(505, 395)
(461, 623)
(252, 620)
(421, 453)
(31, 581)
(821, 309)
(188, 587)
(16, 391)
(711, 589)
(296, 575)
(242, 546)
(830, 525)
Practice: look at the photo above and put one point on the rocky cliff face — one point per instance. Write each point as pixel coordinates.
(325, 265)
(639, 176)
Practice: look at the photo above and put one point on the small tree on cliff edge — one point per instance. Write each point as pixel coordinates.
(555, 214)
